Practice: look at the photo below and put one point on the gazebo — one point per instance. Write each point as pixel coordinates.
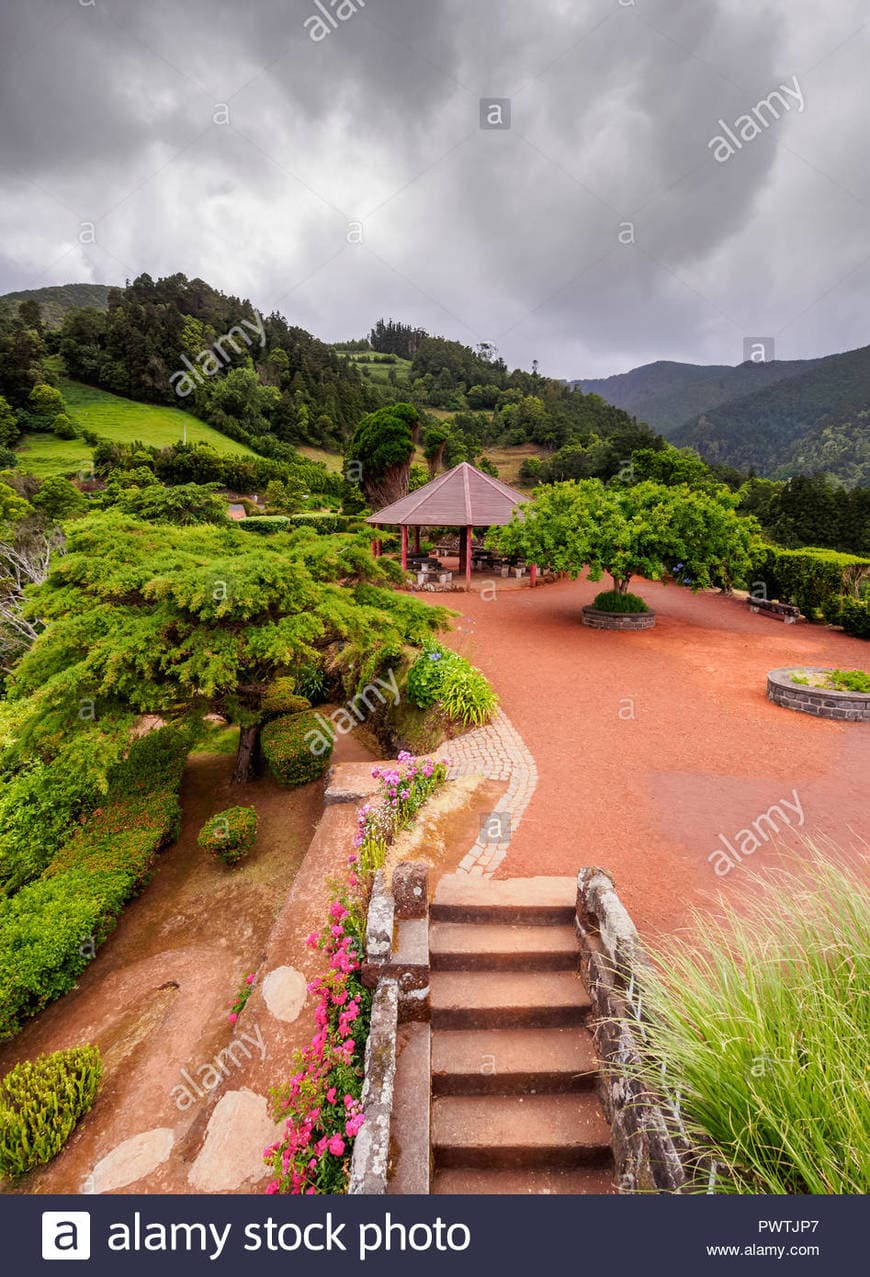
(464, 498)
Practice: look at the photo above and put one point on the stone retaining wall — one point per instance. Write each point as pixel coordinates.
(396, 966)
(821, 702)
(618, 620)
(646, 1154)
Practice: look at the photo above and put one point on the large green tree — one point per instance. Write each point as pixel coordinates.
(179, 621)
(647, 529)
(379, 454)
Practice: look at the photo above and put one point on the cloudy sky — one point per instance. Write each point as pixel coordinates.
(347, 177)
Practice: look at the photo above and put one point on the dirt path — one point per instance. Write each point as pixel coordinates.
(649, 746)
(156, 997)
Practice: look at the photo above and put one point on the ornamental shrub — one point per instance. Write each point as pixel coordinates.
(40, 1103)
(613, 601)
(441, 676)
(230, 834)
(815, 579)
(854, 616)
(296, 748)
(51, 928)
(264, 523)
(282, 698)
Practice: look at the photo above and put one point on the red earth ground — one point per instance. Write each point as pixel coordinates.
(650, 745)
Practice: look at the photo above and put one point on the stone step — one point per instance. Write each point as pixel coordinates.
(530, 901)
(504, 1000)
(467, 1180)
(512, 1061)
(516, 1131)
(465, 946)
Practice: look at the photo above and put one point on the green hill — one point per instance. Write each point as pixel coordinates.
(666, 394)
(57, 301)
(119, 420)
(818, 420)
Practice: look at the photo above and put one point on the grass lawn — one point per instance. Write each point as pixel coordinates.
(122, 421)
(380, 372)
(332, 460)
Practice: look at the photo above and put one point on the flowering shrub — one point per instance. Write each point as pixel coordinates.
(441, 676)
(406, 788)
(242, 998)
(321, 1104)
(230, 834)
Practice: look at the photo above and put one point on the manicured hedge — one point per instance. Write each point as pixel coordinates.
(264, 523)
(812, 578)
(40, 1103)
(614, 601)
(297, 748)
(323, 523)
(51, 928)
(230, 834)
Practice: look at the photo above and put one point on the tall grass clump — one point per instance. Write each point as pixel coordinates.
(762, 1027)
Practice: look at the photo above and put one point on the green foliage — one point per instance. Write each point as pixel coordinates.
(229, 835)
(646, 529)
(264, 524)
(282, 697)
(380, 452)
(183, 505)
(156, 618)
(311, 682)
(814, 579)
(41, 1101)
(322, 523)
(51, 927)
(57, 499)
(613, 601)
(46, 402)
(296, 748)
(64, 427)
(767, 1089)
(850, 680)
(854, 616)
(440, 676)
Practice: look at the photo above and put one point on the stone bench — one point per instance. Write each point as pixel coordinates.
(785, 611)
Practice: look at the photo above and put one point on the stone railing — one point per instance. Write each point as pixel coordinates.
(597, 620)
(646, 1154)
(396, 967)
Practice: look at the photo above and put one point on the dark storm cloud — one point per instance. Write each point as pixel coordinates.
(221, 140)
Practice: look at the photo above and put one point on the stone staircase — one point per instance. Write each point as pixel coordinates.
(514, 1106)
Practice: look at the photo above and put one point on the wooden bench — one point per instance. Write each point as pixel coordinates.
(785, 611)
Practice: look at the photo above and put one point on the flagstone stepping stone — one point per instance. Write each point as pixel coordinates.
(131, 1161)
(284, 992)
(232, 1155)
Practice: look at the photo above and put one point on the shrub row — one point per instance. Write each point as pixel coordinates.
(821, 583)
(296, 748)
(40, 1103)
(614, 601)
(52, 927)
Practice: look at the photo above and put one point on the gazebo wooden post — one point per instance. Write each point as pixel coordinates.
(533, 575)
(404, 547)
(468, 533)
(417, 539)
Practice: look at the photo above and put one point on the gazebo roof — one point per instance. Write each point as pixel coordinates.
(459, 498)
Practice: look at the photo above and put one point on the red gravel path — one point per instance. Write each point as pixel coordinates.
(650, 745)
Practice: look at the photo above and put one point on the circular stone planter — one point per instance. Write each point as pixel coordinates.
(618, 620)
(821, 702)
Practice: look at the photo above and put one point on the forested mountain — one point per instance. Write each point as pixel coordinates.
(817, 420)
(55, 302)
(666, 395)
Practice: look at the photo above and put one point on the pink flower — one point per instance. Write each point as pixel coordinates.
(273, 1187)
(250, 979)
(336, 1146)
(353, 1125)
(330, 1095)
(232, 1017)
(311, 940)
